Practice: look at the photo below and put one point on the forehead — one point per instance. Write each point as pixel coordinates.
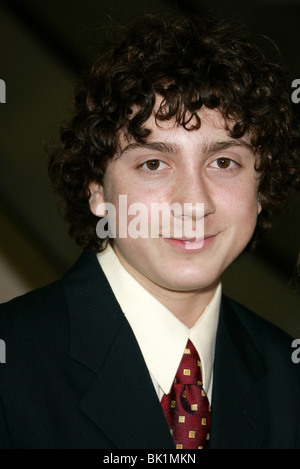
(213, 128)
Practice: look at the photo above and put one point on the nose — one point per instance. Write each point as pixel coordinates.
(194, 195)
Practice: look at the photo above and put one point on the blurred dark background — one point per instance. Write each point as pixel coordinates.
(44, 47)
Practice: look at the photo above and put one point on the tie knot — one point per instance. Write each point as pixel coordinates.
(189, 371)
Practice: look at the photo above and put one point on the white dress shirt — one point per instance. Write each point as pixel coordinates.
(161, 336)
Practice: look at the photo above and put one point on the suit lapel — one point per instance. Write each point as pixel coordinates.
(131, 415)
(239, 417)
(122, 401)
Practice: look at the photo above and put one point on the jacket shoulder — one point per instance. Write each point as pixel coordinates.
(34, 326)
(247, 329)
(39, 301)
(254, 323)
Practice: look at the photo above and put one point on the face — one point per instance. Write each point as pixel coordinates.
(184, 167)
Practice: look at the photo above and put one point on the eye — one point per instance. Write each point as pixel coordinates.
(224, 163)
(154, 165)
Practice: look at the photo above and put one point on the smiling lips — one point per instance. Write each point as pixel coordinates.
(190, 243)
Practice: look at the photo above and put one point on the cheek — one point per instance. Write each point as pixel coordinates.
(247, 205)
(250, 201)
(112, 188)
(132, 215)
(241, 206)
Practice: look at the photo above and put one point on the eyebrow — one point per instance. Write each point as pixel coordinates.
(214, 147)
(207, 148)
(162, 147)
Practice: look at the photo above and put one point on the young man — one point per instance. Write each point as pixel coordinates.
(187, 113)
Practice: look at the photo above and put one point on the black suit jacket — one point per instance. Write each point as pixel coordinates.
(74, 375)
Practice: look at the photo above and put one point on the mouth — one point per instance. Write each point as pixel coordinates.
(193, 244)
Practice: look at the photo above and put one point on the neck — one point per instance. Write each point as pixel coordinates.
(187, 306)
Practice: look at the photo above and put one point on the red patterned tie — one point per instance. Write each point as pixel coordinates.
(187, 408)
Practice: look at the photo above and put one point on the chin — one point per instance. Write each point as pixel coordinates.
(185, 284)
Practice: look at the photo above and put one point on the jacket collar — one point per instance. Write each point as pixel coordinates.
(239, 417)
(95, 316)
(102, 340)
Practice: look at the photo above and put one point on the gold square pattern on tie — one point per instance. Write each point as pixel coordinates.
(186, 407)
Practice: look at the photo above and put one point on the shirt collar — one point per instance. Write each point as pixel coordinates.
(161, 336)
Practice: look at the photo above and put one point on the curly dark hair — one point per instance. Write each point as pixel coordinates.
(190, 62)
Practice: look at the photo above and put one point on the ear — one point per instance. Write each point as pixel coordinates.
(259, 207)
(96, 200)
